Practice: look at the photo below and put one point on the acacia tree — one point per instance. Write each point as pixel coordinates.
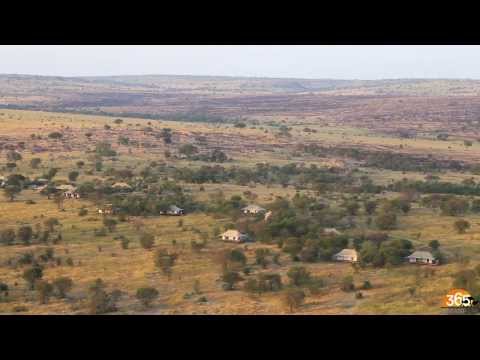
(165, 262)
(44, 290)
(59, 199)
(51, 173)
(11, 191)
(24, 234)
(299, 276)
(73, 175)
(147, 241)
(4, 289)
(110, 224)
(461, 226)
(434, 245)
(293, 298)
(50, 224)
(230, 278)
(7, 236)
(32, 274)
(100, 301)
(62, 286)
(386, 220)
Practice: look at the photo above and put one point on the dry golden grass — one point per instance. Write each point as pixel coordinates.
(130, 269)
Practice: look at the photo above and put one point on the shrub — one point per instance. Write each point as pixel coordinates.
(44, 290)
(7, 236)
(347, 284)
(62, 286)
(293, 298)
(386, 220)
(20, 308)
(31, 275)
(99, 301)
(55, 135)
(366, 285)
(230, 278)
(461, 226)
(298, 276)
(165, 261)
(110, 224)
(146, 295)
(147, 241)
(24, 234)
(124, 243)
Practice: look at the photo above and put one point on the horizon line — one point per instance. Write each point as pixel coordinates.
(235, 77)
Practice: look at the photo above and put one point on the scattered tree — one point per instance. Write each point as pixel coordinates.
(299, 276)
(165, 262)
(347, 284)
(147, 241)
(24, 234)
(62, 286)
(32, 274)
(7, 236)
(73, 175)
(146, 295)
(293, 298)
(461, 226)
(44, 290)
(110, 224)
(35, 163)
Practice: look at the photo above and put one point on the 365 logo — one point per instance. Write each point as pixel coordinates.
(459, 298)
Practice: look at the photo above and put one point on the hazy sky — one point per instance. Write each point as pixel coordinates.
(339, 62)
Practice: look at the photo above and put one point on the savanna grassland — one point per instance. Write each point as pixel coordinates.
(313, 152)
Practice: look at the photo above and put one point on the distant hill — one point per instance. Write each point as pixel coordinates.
(200, 97)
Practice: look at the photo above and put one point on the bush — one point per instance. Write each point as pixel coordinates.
(298, 276)
(100, 301)
(31, 275)
(73, 175)
(147, 241)
(454, 207)
(100, 232)
(347, 284)
(55, 135)
(146, 295)
(124, 243)
(110, 224)
(230, 278)
(24, 234)
(461, 226)
(293, 298)
(7, 236)
(366, 285)
(62, 286)
(386, 221)
(20, 308)
(44, 290)
(165, 261)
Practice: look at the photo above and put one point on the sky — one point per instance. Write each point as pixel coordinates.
(290, 61)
